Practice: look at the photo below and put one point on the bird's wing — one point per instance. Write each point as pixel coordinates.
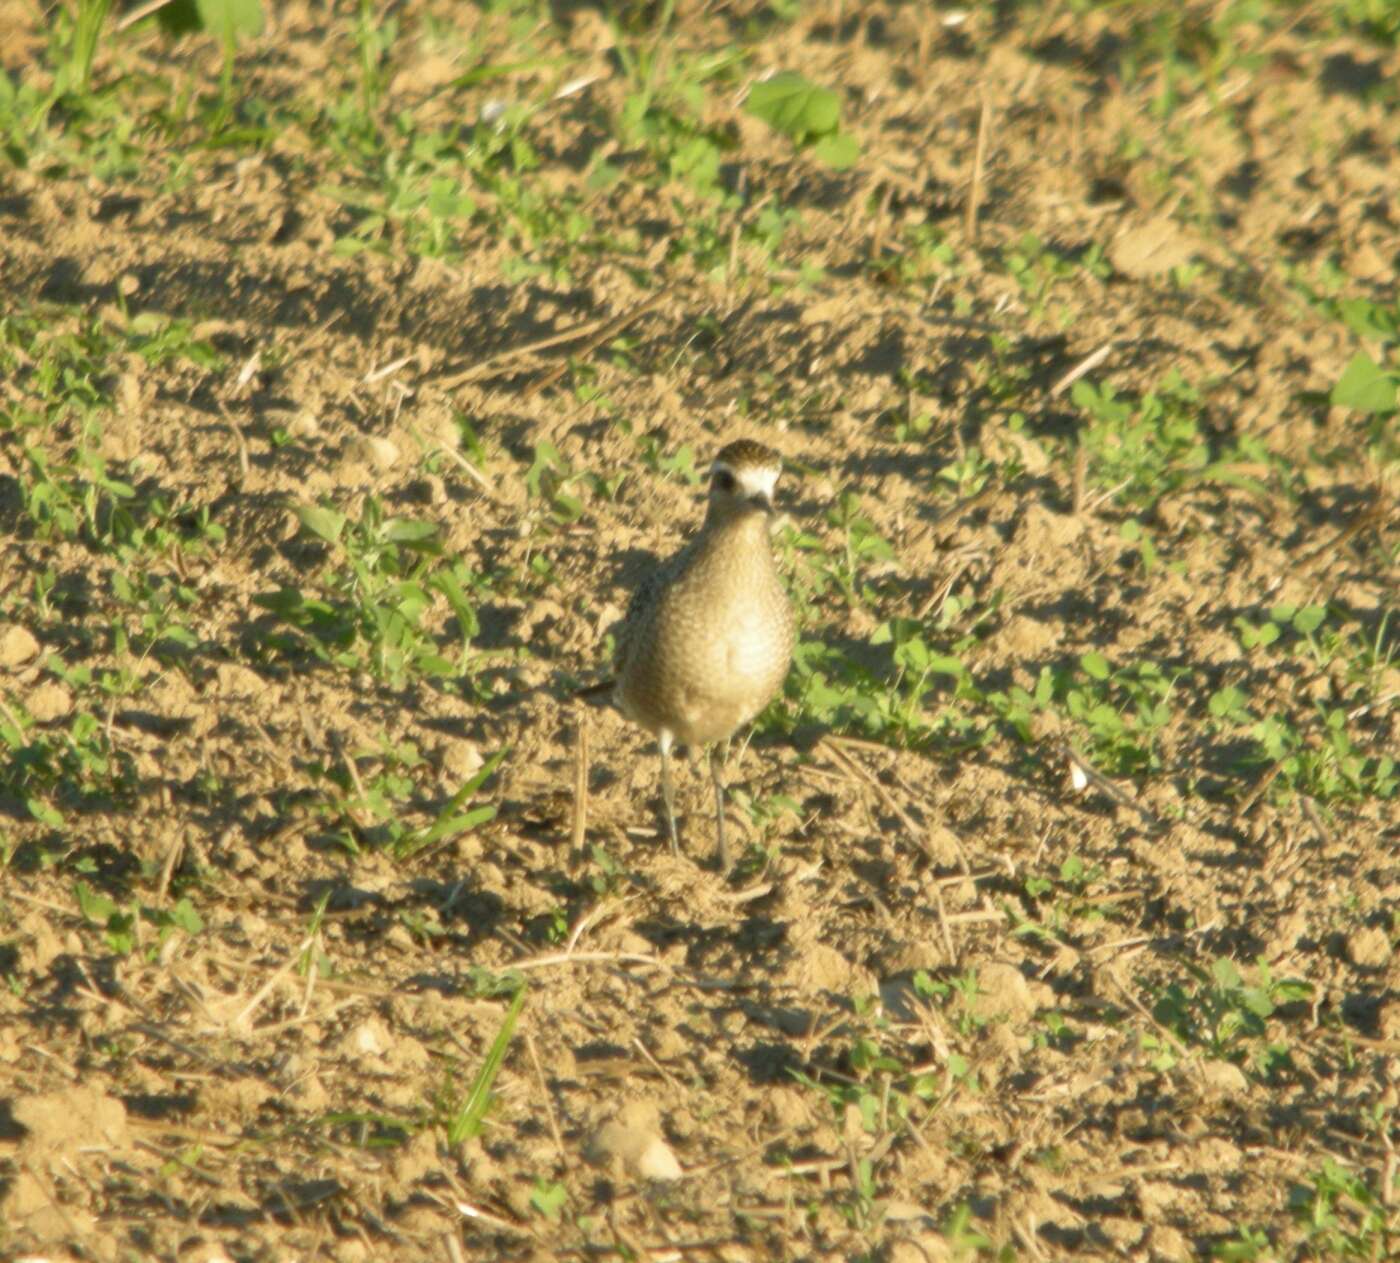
(643, 599)
(648, 593)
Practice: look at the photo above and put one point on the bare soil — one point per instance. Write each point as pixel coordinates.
(691, 1064)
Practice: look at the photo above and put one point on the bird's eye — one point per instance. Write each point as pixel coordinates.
(724, 480)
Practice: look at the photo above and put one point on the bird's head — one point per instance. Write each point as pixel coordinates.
(742, 478)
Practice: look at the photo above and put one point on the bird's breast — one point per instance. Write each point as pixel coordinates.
(713, 653)
(751, 647)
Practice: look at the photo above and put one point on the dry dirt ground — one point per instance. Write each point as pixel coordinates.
(1069, 889)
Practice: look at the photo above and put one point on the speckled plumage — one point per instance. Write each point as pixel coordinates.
(708, 635)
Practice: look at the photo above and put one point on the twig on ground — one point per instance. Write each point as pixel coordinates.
(979, 163)
(242, 1020)
(550, 1115)
(580, 821)
(1087, 365)
(595, 331)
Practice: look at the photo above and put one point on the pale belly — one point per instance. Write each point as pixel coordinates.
(718, 688)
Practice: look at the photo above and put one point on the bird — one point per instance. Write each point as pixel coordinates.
(708, 635)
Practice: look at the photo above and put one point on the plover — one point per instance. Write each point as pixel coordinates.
(708, 635)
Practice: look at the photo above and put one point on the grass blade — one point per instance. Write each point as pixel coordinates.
(469, 1118)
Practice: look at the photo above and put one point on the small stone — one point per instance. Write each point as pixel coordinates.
(304, 425)
(1149, 249)
(238, 681)
(823, 968)
(417, 1158)
(398, 936)
(64, 1124)
(1369, 947)
(461, 760)
(1214, 1155)
(632, 1139)
(928, 1247)
(897, 1211)
(1124, 1233)
(942, 845)
(376, 451)
(368, 1039)
(1224, 1078)
(45, 946)
(667, 1043)
(48, 702)
(1002, 992)
(1168, 1245)
(17, 646)
(1029, 638)
(657, 1162)
(310, 1094)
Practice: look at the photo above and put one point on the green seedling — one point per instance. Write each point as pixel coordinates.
(46, 768)
(549, 1199)
(1038, 269)
(1248, 1245)
(452, 821)
(87, 30)
(121, 927)
(1226, 1016)
(382, 580)
(1345, 1215)
(1072, 903)
(310, 956)
(470, 1116)
(809, 115)
(966, 1242)
(1321, 760)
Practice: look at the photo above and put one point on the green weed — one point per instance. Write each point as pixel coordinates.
(382, 581)
(470, 1116)
(1346, 1215)
(807, 114)
(1226, 1016)
(121, 927)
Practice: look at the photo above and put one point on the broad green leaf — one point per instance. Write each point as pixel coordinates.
(148, 322)
(548, 1199)
(1309, 619)
(840, 151)
(43, 813)
(96, 908)
(450, 586)
(327, 523)
(1226, 701)
(793, 105)
(1226, 973)
(1365, 386)
(184, 915)
(1095, 666)
(1370, 320)
(242, 18)
(406, 530)
(228, 19)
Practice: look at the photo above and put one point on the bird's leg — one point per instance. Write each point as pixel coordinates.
(717, 776)
(668, 791)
